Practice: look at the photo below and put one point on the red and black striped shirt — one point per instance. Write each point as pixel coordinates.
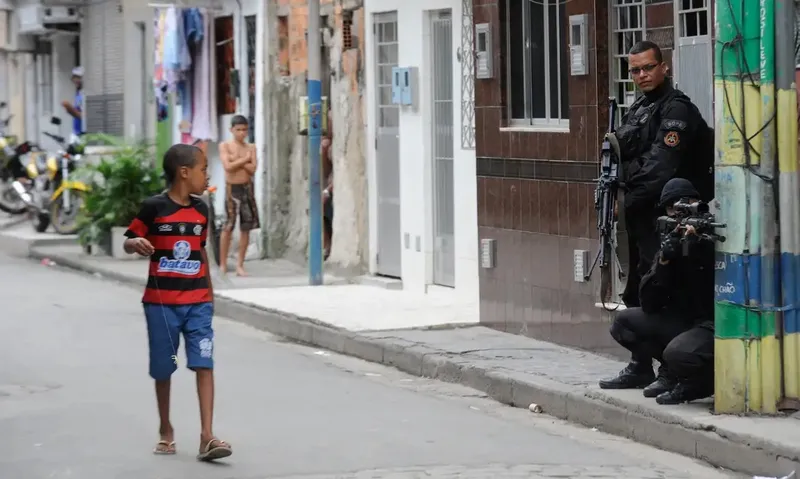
(178, 271)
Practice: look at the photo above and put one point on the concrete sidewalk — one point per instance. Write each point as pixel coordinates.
(514, 370)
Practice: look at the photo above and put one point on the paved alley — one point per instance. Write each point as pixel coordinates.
(76, 402)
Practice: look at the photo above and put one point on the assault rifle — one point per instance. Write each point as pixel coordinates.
(605, 197)
(698, 216)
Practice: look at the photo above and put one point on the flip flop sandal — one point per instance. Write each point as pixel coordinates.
(215, 449)
(165, 448)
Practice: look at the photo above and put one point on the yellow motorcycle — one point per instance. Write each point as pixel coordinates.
(53, 196)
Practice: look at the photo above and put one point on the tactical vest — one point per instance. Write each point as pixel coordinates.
(638, 131)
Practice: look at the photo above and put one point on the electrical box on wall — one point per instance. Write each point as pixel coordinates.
(404, 86)
(409, 91)
(397, 85)
(578, 44)
(484, 68)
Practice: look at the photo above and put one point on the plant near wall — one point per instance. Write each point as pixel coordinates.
(119, 183)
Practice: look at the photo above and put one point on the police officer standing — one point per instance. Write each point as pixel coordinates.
(662, 136)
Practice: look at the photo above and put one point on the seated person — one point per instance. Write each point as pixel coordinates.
(675, 323)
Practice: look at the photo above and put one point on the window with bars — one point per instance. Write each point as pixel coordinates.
(627, 23)
(538, 69)
(693, 18)
(226, 99)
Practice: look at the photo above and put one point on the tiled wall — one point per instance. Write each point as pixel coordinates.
(536, 198)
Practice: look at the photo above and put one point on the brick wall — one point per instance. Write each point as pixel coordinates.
(535, 196)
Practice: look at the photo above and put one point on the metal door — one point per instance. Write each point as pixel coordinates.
(694, 54)
(387, 146)
(442, 98)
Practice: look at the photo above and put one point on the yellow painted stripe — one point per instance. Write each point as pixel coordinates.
(770, 374)
(730, 376)
(754, 394)
(752, 119)
(728, 139)
(787, 130)
(791, 375)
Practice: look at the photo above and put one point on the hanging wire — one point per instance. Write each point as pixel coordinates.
(737, 44)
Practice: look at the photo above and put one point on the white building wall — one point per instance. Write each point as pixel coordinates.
(416, 172)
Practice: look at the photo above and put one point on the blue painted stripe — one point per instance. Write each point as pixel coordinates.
(737, 278)
(790, 265)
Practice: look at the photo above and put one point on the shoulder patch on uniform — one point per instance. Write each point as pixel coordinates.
(674, 125)
(671, 139)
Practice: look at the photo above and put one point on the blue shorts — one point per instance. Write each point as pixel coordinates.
(166, 323)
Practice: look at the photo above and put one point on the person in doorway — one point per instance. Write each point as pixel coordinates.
(75, 107)
(326, 155)
(239, 160)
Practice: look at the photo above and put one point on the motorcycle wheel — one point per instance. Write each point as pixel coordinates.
(10, 202)
(66, 222)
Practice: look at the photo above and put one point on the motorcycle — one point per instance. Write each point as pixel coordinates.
(11, 169)
(54, 196)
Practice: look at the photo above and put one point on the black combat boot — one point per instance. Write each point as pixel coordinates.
(635, 375)
(662, 384)
(685, 393)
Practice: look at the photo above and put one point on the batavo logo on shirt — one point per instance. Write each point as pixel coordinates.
(180, 262)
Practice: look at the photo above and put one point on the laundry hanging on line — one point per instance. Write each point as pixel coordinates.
(184, 53)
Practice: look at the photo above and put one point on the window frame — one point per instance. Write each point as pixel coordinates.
(615, 78)
(539, 124)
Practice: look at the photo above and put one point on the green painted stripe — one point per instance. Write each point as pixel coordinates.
(732, 321)
(731, 21)
(767, 34)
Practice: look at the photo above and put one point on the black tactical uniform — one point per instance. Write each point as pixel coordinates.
(663, 136)
(675, 323)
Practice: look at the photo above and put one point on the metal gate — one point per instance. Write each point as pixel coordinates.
(387, 146)
(442, 98)
(694, 54)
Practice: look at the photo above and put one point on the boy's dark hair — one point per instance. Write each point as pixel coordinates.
(645, 45)
(239, 120)
(178, 156)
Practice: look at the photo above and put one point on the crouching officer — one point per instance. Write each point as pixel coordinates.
(675, 323)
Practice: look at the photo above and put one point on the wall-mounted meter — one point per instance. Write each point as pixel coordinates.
(578, 45)
(404, 86)
(483, 51)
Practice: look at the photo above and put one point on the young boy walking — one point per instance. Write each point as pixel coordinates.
(239, 160)
(171, 228)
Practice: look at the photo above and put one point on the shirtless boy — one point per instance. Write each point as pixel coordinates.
(239, 159)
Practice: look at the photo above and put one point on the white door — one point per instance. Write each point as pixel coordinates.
(387, 146)
(694, 59)
(441, 48)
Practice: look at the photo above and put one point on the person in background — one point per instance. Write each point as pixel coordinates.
(239, 160)
(75, 107)
(326, 155)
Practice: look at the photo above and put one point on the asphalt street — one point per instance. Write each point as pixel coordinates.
(76, 402)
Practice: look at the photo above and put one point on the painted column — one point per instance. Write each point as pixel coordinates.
(745, 289)
(788, 186)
